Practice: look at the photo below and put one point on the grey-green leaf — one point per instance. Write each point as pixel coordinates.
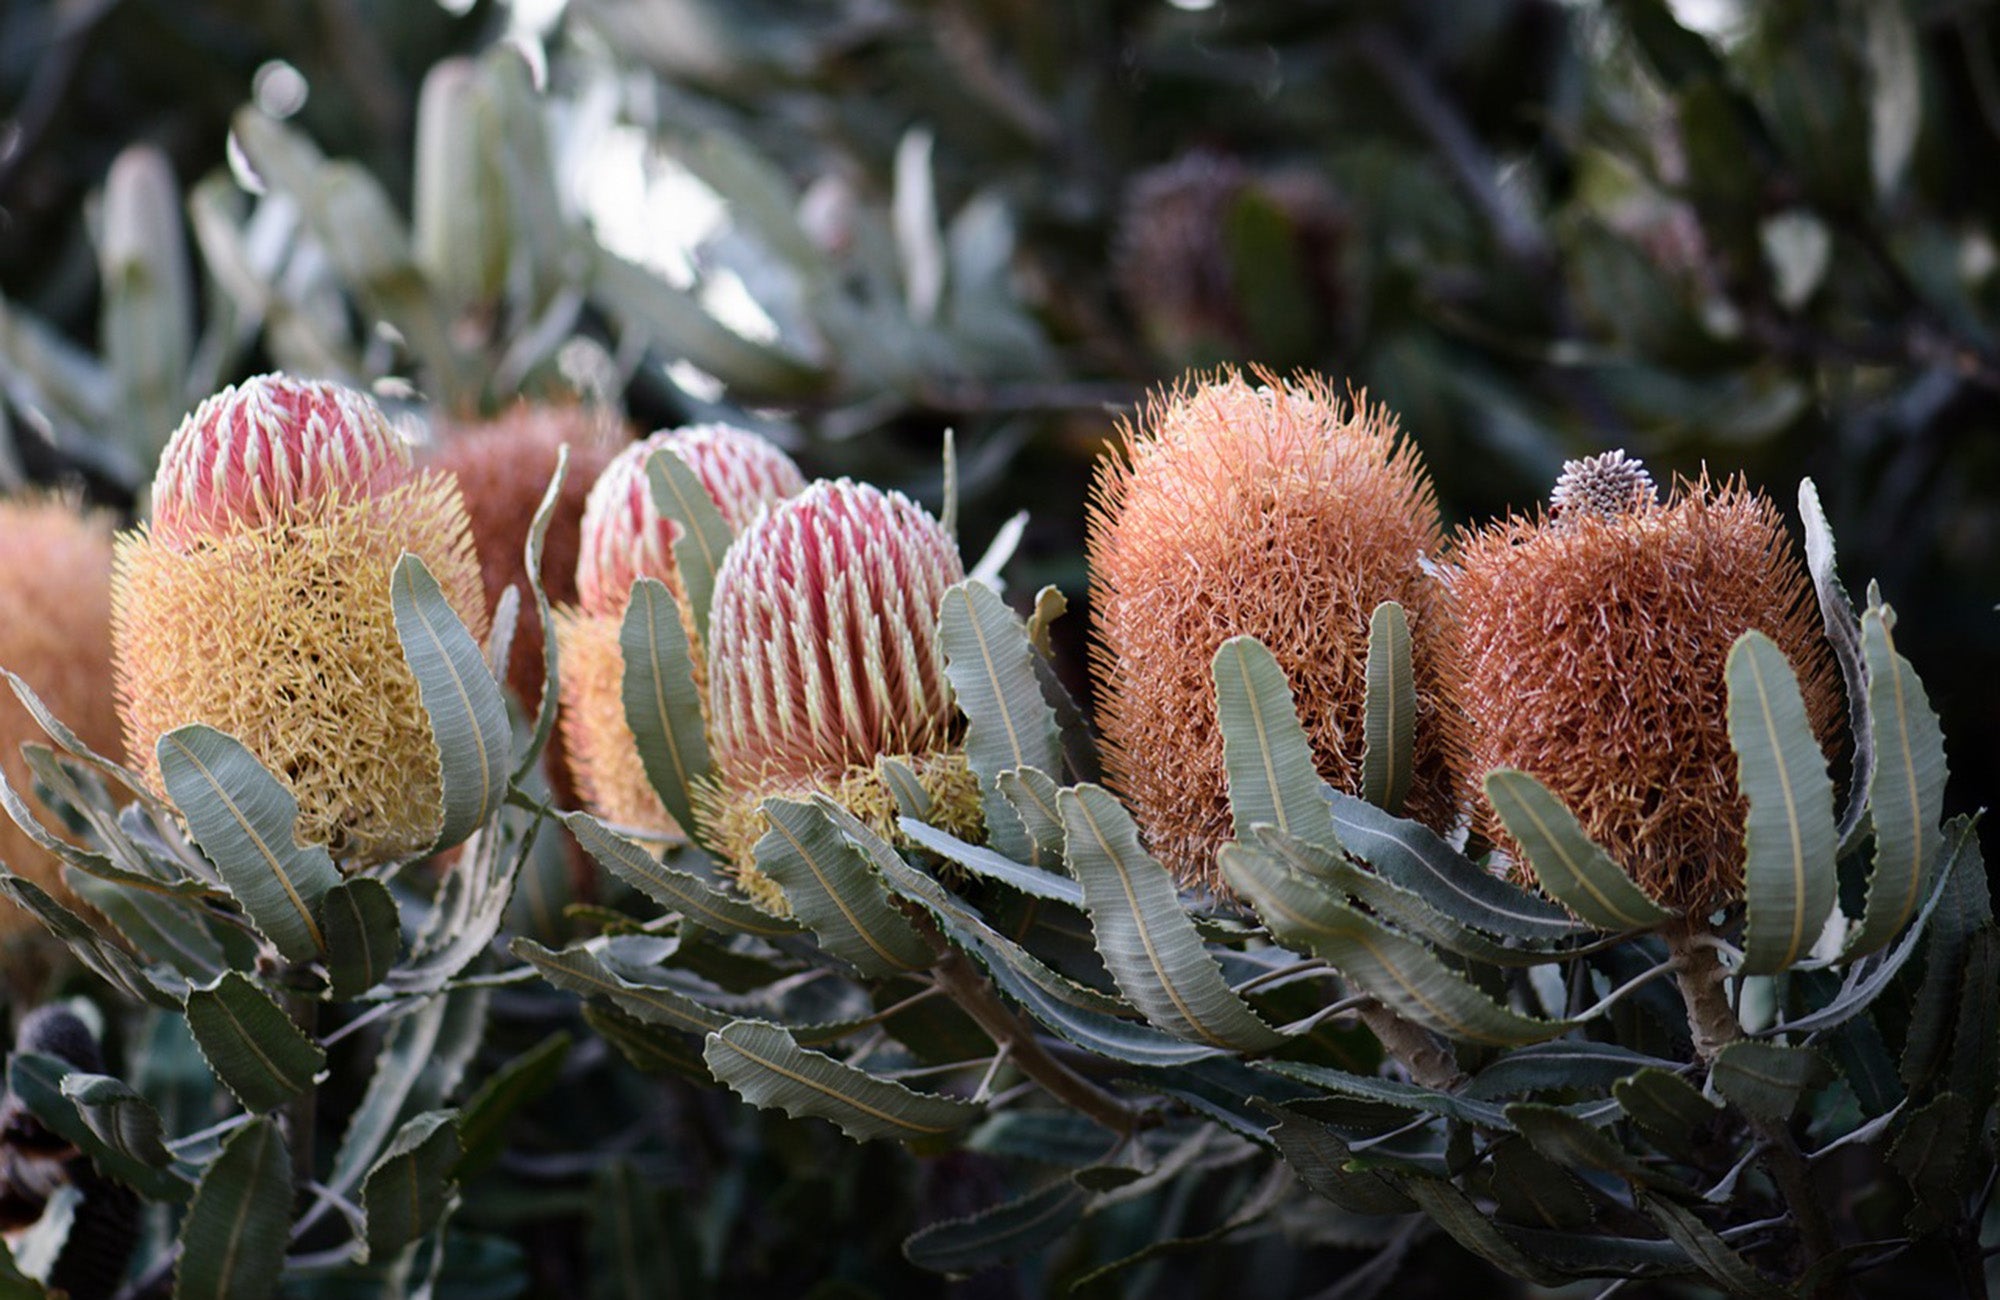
(580, 969)
(1148, 943)
(765, 1065)
(1032, 794)
(483, 1120)
(670, 887)
(1717, 1261)
(1665, 1104)
(233, 1240)
(406, 1192)
(1272, 778)
(998, 1233)
(1905, 792)
(1844, 635)
(1009, 726)
(243, 819)
(1569, 867)
(836, 893)
(704, 537)
(364, 935)
(1402, 973)
(662, 703)
(1389, 718)
(467, 710)
(531, 560)
(123, 1120)
(1790, 834)
(108, 1129)
(251, 1044)
(1767, 1079)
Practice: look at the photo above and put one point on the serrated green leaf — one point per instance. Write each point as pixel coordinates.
(1717, 1261)
(1032, 795)
(629, 1241)
(405, 1194)
(233, 1239)
(531, 561)
(703, 535)
(1466, 1224)
(483, 1121)
(836, 894)
(159, 928)
(467, 710)
(1574, 1144)
(671, 888)
(1562, 1064)
(1323, 1161)
(1009, 726)
(1402, 973)
(123, 1120)
(364, 935)
(251, 1044)
(1975, 1044)
(1843, 633)
(1392, 1092)
(764, 1065)
(999, 1233)
(1930, 1152)
(1413, 856)
(1148, 943)
(651, 1049)
(662, 703)
(1389, 720)
(1790, 835)
(1568, 866)
(1665, 1105)
(581, 970)
(1531, 1190)
(1905, 792)
(99, 955)
(1767, 1080)
(121, 1149)
(982, 861)
(72, 744)
(243, 818)
(1272, 778)
(421, 1061)
(1962, 903)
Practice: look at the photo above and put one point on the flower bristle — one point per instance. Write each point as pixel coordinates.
(55, 586)
(823, 649)
(1279, 510)
(271, 449)
(1593, 654)
(278, 628)
(624, 536)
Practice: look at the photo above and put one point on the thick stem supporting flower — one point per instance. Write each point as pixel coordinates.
(971, 990)
(1427, 1057)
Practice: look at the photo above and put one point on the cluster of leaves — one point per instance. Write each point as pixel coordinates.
(1068, 1010)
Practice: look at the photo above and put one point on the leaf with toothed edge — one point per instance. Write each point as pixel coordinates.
(243, 819)
(982, 861)
(1009, 726)
(250, 1043)
(1905, 791)
(1149, 944)
(538, 535)
(836, 893)
(467, 710)
(1569, 867)
(1389, 724)
(1790, 835)
(671, 888)
(364, 935)
(232, 1243)
(1033, 796)
(1843, 633)
(579, 969)
(662, 702)
(764, 1065)
(679, 495)
(407, 1191)
(109, 1122)
(1272, 779)
(1008, 1230)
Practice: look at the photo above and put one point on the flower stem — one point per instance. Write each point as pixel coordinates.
(1427, 1057)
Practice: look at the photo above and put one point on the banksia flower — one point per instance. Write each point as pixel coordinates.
(258, 603)
(55, 590)
(824, 658)
(1594, 643)
(624, 537)
(1279, 512)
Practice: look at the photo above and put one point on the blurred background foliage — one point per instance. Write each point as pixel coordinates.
(1746, 236)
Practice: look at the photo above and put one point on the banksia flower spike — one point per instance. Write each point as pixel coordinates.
(624, 538)
(258, 603)
(824, 658)
(1594, 644)
(55, 591)
(1281, 512)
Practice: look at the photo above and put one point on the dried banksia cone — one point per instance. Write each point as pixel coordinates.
(624, 538)
(1594, 643)
(1280, 512)
(259, 604)
(55, 632)
(824, 659)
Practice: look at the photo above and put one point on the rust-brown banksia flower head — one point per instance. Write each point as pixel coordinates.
(55, 633)
(258, 603)
(1594, 644)
(824, 659)
(625, 538)
(1281, 512)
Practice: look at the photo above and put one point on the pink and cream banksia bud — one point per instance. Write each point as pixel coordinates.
(625, 538)
(258, 603)
(824, 659)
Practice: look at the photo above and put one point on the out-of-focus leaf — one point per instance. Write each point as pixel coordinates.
(146, 319)
(1147, 941)
(243, 819)
(251, 1044)
(407, 1191)
(1272, 779)
(999, 1233)
(1766, 1079)
(1568, 866)
(458, 208)
(1471, 1228)
(1790, 834)
(919, 241)
(1931, 1151)
(679, 327)
(233, 1239)
(467, 710)
(487, 1112)
(766, 1066)
(1905, 792)
(1389, 723)
(631, 1255)
(364, 935)
(1896, 94)
(836, 894)
(662, 703)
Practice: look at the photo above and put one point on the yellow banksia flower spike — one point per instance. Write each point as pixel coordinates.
(1278, 510)
(258, 603)
(1595, 636)
(624, 538)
